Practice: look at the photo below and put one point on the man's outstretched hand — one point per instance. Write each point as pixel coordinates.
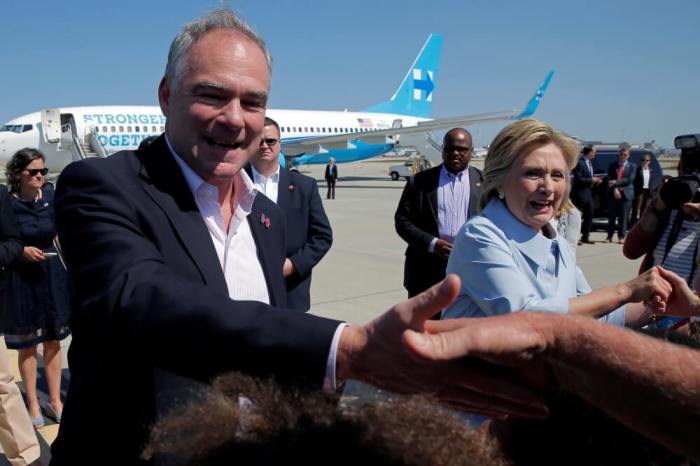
(464, 371)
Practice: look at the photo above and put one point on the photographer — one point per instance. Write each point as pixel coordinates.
(669, 229)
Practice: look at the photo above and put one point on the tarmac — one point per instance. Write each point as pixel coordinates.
(362, 274)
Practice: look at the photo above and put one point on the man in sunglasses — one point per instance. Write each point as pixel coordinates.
(309, 234)
(434, 205)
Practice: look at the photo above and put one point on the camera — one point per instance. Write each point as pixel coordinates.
(685, 188)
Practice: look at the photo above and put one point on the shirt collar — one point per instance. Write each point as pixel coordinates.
(446, 173)
(258, 177)
(534, 245)
(244, 190)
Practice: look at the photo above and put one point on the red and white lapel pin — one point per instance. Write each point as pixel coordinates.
(291, 187)
(265, 220)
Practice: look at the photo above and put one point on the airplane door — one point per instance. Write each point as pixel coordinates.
(51, 124)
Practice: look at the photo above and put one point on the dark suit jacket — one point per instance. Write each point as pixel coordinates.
(654, 180)
(309, 234)
(626, 183)
(582, 183)
(10, 245)
(331, 172)
(148, 293)
(416, 221)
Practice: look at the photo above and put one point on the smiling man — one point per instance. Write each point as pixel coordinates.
(434, 205)
(172, 255)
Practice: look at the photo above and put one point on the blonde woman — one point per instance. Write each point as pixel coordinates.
(510, 257)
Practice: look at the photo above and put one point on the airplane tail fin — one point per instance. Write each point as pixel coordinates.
(534, 102)
(415, 94)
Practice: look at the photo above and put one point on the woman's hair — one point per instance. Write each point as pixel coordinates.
(514, 140)
(247, 421)
(19, 162)
(565, 206)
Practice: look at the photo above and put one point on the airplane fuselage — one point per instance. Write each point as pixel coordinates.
(124, 127)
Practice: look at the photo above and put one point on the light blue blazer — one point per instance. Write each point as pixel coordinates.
(501, 262)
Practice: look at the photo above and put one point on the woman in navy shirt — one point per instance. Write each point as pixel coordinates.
(37, 295)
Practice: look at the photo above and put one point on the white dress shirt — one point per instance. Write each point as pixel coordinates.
(236, 248)
(268, 185)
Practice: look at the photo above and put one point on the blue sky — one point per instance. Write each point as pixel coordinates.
(624, 69)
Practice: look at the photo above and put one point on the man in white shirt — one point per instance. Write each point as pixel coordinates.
(151, 290)
(309, 234)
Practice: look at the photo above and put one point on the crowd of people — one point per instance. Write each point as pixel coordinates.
(191, 257)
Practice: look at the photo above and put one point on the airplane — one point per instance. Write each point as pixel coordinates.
(308, 136)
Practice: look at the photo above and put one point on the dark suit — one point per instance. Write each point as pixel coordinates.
(309, 234)
(331, 175)
(149, 293)
(620, 208)
(582, 194)
(642, 196)
(416, 221)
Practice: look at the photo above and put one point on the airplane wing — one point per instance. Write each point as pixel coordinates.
(380, 136)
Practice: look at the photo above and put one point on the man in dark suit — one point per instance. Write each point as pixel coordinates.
(331, 175)
(621, 176)
(17, 435)
(158, 242)
(434, 205)
(584, 180)
(309, 234)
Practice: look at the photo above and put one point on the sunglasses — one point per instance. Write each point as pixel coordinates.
(459, 150)
(270, 142)
(36, 171)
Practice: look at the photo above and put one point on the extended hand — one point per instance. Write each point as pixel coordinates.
(650, 283)
(683, 301)
(376, 353)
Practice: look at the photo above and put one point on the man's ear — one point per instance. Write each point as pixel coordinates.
(164, 95)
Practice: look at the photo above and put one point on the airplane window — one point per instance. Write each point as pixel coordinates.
(306, 129)
(128, 129)
(137, 129)
(121, 129)
(114, 130)
(162, 128)
(145, 129)
(26, 128)
(318, 130)
(312, 129)
(282, 128)
(294, 128)
(104, 129)
(153, 128)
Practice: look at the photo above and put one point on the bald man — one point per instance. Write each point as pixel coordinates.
(434, 205)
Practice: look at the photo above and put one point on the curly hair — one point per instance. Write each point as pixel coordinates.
(19, 162)
(276, 426)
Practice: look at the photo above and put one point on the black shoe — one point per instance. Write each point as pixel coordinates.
(608, 239)
(586, 241)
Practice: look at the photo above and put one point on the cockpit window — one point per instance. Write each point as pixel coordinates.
(16, 128)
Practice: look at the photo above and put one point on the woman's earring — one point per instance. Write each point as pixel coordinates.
(501, 195)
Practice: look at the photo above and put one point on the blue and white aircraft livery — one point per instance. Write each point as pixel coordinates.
(308, 136)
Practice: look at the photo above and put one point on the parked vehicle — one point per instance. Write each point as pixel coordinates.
(606, 156)
(405, 170)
